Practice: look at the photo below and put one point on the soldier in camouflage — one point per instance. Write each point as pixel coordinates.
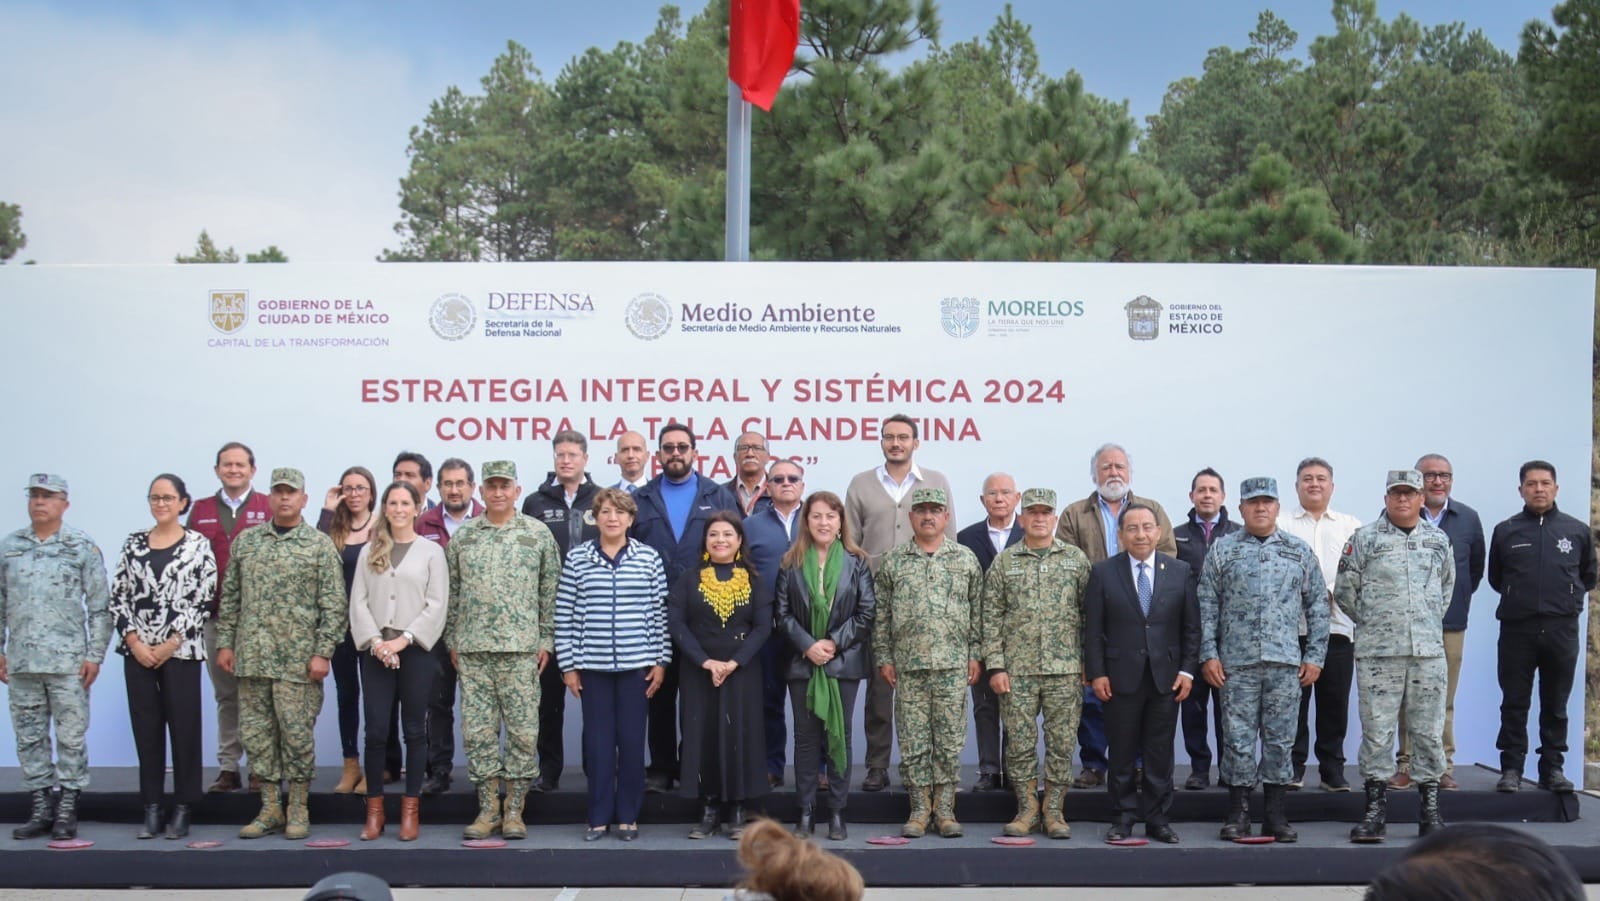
(1254, 586)
(926, 640)
(1033, 645)
(283, 612)
(504, 568)
(1395, 581)
(54, 628)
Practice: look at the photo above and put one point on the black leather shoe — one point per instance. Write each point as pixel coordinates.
(1197, 781)
(628, 833)
(436, 784)
(1334, 781)
(1089, 779)
(1119, 832)
(1555, 782)
(178, 826)
(805, 827)
(546, 785)
(1510, 781)
(1162, 833)
(877, 780)
(152, 821)
(595, 834)
(836, 830)
(988, 782)
(657, 784)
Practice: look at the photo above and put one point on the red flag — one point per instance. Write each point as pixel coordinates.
(762, 37)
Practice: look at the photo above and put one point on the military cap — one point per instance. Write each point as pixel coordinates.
(498, 469)
(1260, 486)
(929, 496)
(1403, 478)
(47, 481)
(1039, 497)
(288, 475)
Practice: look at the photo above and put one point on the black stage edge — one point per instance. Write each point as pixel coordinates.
(554, 854)
(1082, 861)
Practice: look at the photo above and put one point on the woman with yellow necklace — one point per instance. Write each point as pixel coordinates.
(720, 620)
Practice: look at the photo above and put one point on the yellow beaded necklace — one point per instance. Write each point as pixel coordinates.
(724, 596)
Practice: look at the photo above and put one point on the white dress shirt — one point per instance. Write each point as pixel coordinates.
(1327, 536)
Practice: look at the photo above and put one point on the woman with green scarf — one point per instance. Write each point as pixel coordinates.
(825, 607)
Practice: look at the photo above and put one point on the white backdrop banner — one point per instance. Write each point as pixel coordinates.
(119, 373)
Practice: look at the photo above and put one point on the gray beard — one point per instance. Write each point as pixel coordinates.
(1114, 491)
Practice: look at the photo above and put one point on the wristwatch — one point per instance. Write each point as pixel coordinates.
(410, 639)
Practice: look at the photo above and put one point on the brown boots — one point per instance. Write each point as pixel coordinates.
(374, 826)
(410, 823)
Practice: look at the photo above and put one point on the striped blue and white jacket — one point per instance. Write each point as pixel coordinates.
(612, 617)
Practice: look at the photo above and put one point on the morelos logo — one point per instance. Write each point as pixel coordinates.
(649, 316)
(1144, 318)
(230, 310)
(959, 316)
(452, 316)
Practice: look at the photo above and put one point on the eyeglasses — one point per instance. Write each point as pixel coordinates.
(749, 448)
(1437, 476)
(784, 480)
(676, 448)
(356, 489)
(162, 499)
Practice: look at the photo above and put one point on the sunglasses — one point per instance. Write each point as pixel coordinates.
(784, 480)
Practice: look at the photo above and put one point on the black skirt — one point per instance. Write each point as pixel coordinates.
(724, 739)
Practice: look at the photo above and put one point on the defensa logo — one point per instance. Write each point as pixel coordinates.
(1144, 318)
(649, 316)
(959, 316)
(230, 310)
(452, 316)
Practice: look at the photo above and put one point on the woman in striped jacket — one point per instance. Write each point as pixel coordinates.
(611, 639)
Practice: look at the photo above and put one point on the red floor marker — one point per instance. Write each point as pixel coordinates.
(1255, 840)
(484, 843)
(327, 843)
(890, 840)
(1012, 841)
(1129, 842)
(70, 844)
(203, 845)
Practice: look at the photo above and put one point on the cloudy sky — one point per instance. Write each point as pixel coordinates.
(126, 127)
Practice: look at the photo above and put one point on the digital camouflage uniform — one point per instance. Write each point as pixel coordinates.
(927, 628)
(1033, 631)
(283, 602)
(1253, 592)
(54, 599)
(1395, 588)
(502, 614)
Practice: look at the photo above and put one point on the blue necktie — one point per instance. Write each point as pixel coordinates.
(1144, 588)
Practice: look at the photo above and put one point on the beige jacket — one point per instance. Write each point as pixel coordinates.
(1080, 526)
(412, 597)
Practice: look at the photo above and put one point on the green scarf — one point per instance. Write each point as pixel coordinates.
(822, 693)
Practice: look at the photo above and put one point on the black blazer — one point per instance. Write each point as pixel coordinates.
(1117, 639)
(849, 623)
(975, 538)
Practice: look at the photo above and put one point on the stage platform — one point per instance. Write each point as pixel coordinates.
(555, 855)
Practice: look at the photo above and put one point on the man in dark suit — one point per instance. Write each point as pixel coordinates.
(986, 539)
(1206, 523)
(673, 508)
(1141, 647)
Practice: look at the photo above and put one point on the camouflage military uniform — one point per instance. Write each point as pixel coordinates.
(1033, 631)
(1395, 587)
(502, 614)
(283, 602)
(1252, 594)
(927, 628)
(54, 599)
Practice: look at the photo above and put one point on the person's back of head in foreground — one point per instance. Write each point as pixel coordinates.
(785, 868)
(1474, 861)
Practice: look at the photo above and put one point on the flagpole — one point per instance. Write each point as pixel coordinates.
(736, 221)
